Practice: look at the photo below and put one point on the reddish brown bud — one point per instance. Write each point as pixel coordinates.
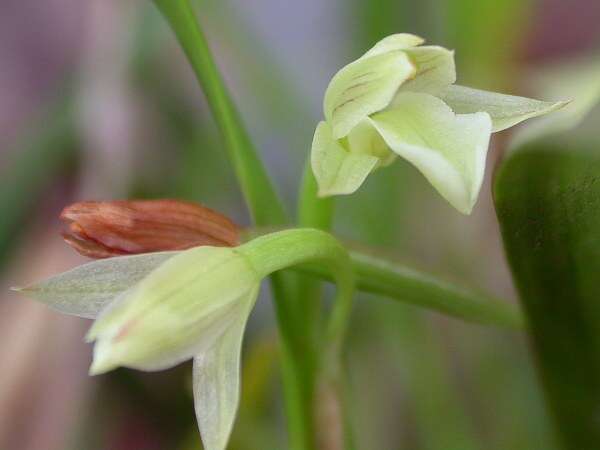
(104, 229)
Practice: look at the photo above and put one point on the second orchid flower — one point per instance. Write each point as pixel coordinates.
(399, 99)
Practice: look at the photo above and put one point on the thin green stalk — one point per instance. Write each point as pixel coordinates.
(260, 195)
(317, 213)
(378, 275)
(313, 211)
(263, 203)
(283, 249)
(276, 251)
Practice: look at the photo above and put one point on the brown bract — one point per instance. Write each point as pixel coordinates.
(121, 227)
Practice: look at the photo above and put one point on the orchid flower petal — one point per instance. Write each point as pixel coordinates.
(174, 313)
(336, 169)
(365, 139)
(435, 69)
(399, 41)
(505, 110)
(216, 381)
(364, 87)
(449, 149)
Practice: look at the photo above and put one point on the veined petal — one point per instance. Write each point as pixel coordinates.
(364, 87)
(86, 290)
(449, 149)
(399, 41)
(505, 110)
(177, 311)
(217, 381)
(435, 69)
(336, 170)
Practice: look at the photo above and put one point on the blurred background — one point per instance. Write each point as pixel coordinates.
(97, 102)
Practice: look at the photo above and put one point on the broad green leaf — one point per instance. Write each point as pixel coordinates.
(217, 381)
(86, 290)
(505, 110)
(363, 87)
(175, 312)
(449, 149)
(399, 41)
(547, 197)
(435, 69)
(336, 170)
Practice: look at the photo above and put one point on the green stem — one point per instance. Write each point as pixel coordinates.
(283, 249)
(263, 203)
(260, 195)
(314, 213)
(330, 384)
(287, 248)
(381, 276)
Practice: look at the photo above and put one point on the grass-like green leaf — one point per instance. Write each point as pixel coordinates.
(547, 197)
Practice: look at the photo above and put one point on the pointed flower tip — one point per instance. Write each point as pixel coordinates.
(94, 332)
(112, 228)
(324, 193)
(25, 290)
(559, 105)
(467, 211)
(102, 364)
(330, 192)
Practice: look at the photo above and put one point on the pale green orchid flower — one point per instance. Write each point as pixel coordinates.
(399, 99)
(156, 310)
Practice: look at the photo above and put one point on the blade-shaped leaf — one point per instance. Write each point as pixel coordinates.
(85, 290)
(217, 381)
(505, 110)
(449, 149)
(336, 170)
(547, 197)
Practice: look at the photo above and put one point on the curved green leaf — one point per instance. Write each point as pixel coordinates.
(547, 197)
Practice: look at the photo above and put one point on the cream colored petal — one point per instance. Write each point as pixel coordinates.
(86, 290)
(435, 69)
(217, 382)
(399, 41)
(449, 149)
(177, 311)
(505, 110)
(336, 170)
(364, 87)
(365, 139)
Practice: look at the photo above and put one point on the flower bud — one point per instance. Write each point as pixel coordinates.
(112, 228)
